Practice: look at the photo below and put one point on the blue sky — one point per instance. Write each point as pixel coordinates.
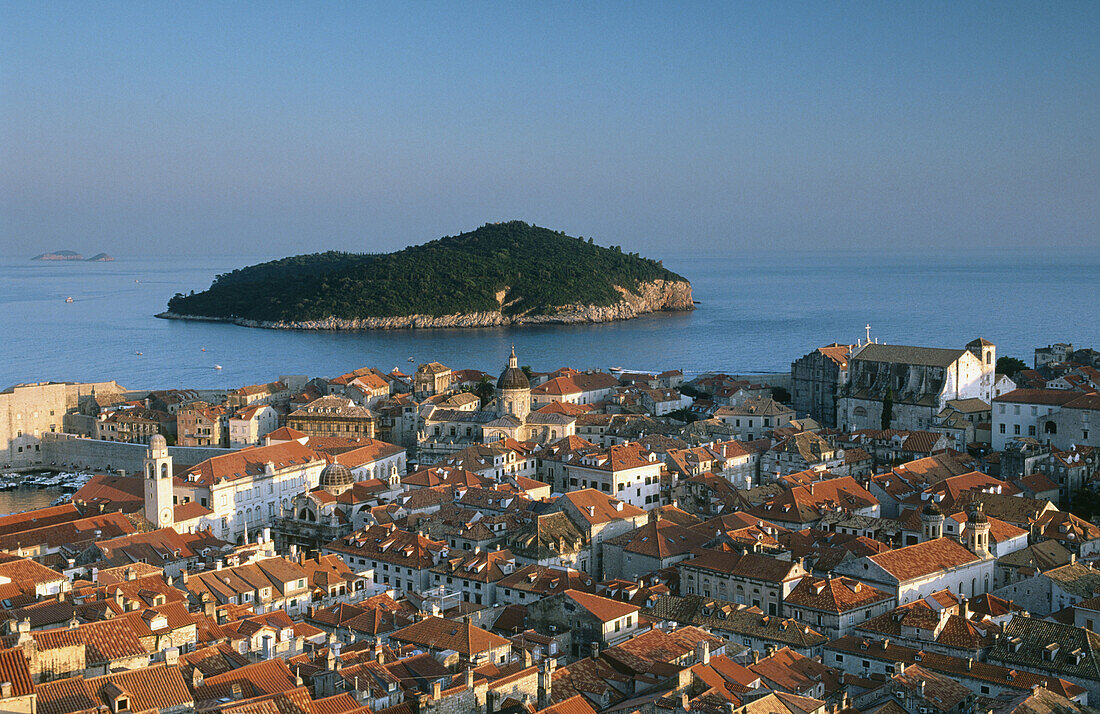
(277, 127)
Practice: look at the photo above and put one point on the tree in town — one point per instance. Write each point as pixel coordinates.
(1010, 366)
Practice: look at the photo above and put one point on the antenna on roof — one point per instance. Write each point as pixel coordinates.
(868, 328)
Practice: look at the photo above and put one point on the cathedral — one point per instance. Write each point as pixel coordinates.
(514, 418)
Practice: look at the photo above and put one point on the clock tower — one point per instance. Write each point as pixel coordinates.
(159, 508)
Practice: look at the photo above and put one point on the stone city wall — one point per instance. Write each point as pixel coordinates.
(70, 452)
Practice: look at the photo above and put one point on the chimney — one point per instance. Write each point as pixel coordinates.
(172, 656)
(436, 690)
(1072, 558)
(594, 649)
(684, 701)
(469, 678)
(756, 656)
(5, 690)
(545, 680)
(196, 678)
(526, 657)
(702, 652)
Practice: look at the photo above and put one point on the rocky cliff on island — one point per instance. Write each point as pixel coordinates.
(501, 274)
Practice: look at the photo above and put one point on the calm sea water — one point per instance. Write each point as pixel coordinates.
(756, 314)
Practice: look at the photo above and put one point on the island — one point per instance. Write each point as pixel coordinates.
(72, 255)
(501, 274)
(59, 255)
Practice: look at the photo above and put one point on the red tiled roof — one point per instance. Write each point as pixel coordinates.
(440, 634)
(922, 559)
(250, 462)
(14, 669)
(604, 609)
(1054, 397)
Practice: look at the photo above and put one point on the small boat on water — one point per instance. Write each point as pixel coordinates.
(411, 359)
(217, 366)
(69, 299)
(139, 354)
(204, 349)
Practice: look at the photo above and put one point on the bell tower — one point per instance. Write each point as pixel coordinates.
(932, 519)
(977, 531)
(159, 507)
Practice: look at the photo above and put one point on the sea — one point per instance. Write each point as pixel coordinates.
(755, 314)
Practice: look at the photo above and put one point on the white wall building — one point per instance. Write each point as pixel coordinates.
(250, 425)
(1018, 413)
(245, 489)
(628, 472)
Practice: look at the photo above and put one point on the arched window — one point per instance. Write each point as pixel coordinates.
(1050, 428)
(164, 470)
(150, 468)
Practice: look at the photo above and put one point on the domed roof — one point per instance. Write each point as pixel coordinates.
(931, 509)
(336, 475)
(977, 516)
(156, 441)
(513, 377)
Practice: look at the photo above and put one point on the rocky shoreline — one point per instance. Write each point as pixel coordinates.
(656, 296)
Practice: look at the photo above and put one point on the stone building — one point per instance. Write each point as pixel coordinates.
(916, 571)
(333, 416)
(1077, 423)
(201, 424)
(251, 424)
(430, 379)
(246, 489)
(590, 619)
(755, 417)
(816, 379)
(27, 411)
(746, 579)
(514, 418)
(834, 606)
(917, 381)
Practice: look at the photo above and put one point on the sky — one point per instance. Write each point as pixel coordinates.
(273, 128)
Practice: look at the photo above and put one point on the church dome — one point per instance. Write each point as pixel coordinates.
(513, 377)
(977, 516)
(156, 441)
(931, 509)
(336, 476)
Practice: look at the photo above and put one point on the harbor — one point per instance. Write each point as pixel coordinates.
(27, 491)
